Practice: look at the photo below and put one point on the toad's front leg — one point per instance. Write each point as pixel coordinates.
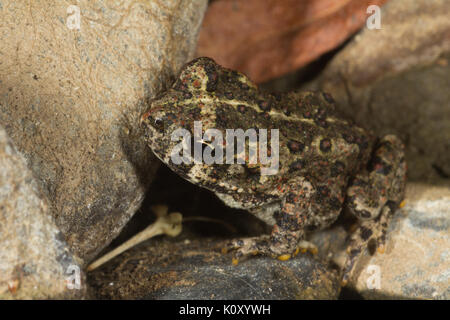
(303, 205)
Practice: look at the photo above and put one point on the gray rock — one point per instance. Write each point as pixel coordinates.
(35, 262)
(396, 80)
(71, 100)
(416, 263)
(197, 270)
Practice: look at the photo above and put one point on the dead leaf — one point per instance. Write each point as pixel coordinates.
(268, 38)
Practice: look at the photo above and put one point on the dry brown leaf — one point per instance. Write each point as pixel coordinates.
(268, 38)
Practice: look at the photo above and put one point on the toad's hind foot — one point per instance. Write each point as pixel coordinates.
(306, 246)
(263, 245)
(247, 247)
(303, 247)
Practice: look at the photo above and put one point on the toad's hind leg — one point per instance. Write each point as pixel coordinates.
(304, 205)
(287, 232)
(373, 197)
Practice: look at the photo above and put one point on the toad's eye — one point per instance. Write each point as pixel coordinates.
(157, 123)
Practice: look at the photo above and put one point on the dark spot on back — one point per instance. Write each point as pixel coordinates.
(241, 108)
(297, 166)
(325, 145)
(295, 147)
(264, 105)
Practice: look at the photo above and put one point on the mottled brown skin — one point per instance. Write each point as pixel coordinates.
(326, 163)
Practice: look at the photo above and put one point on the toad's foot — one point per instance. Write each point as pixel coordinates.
(263, 245)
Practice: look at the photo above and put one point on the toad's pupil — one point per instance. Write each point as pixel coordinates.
(158, 123)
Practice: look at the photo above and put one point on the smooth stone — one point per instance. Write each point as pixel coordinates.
(35, 261)
(197, 270)
(71, 100)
